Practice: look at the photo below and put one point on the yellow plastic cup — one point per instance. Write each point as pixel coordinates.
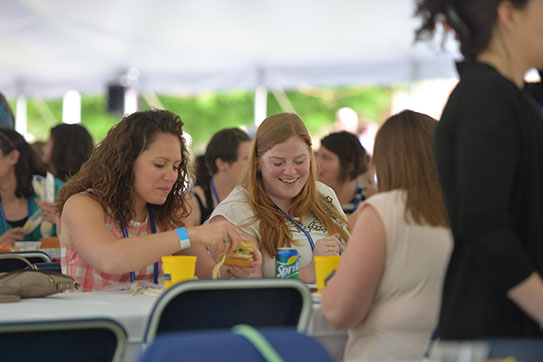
(178, 268)
(324, 265)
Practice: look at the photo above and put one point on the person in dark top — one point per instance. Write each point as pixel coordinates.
(489, 154)
(225, 156)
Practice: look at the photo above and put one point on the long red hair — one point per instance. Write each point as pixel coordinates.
(274, 232)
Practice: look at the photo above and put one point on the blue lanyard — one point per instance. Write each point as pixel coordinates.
(307, 235)
(212, 184)
(153, 230)
(4, 222)
(356, 200)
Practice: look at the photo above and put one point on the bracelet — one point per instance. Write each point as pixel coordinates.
(184, 241)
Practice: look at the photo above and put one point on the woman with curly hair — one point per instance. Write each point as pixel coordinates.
(280, 203)
(124, 209)
(489, 154)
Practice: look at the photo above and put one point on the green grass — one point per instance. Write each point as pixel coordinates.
(209, 112)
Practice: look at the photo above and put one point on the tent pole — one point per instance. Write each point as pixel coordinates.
(260, 105)
(20, 115)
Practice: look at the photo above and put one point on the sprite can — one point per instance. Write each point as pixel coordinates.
(287, 263)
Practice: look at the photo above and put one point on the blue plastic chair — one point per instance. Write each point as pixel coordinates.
(7, 265)
(222, 304)
(53, 267)
(523, 350)
(89, 340)
(223, 345)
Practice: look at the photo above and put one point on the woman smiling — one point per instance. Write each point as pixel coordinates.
(279, 202)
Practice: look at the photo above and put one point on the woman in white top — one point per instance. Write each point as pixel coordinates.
(279, 202)
(387, 288)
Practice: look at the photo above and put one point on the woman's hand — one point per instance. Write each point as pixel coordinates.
(328, 246)
(253, 271)
(221, 234)
(15, 234)
(48, 211)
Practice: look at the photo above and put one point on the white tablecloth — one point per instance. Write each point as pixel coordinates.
(333, 339)
(132, 312)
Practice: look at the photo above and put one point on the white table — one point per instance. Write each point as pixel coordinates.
(334, 340)
(132, 312)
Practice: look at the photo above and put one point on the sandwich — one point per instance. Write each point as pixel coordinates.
(242, 255)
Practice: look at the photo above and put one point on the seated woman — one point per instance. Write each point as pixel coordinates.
(66, 149)
(279, 202)
(387, 288)
(119, 212)
(18, 199)
(226, 155)
(342, 160)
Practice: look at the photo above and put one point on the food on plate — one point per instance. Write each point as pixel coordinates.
(242, 256)
(50, 242)
(7, 246)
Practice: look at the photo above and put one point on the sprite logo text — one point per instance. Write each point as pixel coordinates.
(290, 269)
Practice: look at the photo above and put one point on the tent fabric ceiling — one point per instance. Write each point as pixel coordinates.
(49, 47)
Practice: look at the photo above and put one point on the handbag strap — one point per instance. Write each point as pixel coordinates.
(19, 257)
(258, 341)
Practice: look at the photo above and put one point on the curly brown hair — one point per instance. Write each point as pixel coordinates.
(109, 170)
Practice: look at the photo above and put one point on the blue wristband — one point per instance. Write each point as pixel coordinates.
(184, 241)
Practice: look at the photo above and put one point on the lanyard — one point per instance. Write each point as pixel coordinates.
(307, 235)
(153, 230)
(4, 222)
(356, 200)
(212, 184)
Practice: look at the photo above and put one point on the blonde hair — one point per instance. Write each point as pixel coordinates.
(404, 159)
(274, 130)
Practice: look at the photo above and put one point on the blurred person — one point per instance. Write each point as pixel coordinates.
(226, 155)
(341, 161)
(7, 119)
(387, 287)
(66, 149)
(124, 209)
(280, 203)
(201, 174)
(37, 146)
(489, 153)
(18, 199)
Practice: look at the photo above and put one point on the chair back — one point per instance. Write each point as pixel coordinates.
(522, 349)
(90, 340)
(11, 264)
(223, 345)
(218, 304)
(53, 267)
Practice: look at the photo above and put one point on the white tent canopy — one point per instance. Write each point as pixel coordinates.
(50, 47)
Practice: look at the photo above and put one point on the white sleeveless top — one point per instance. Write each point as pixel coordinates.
(404, 312)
